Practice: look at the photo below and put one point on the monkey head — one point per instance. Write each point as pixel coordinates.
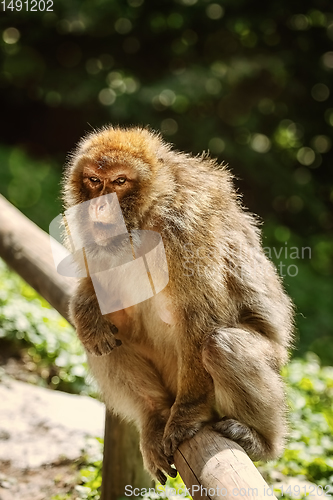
(124, 162)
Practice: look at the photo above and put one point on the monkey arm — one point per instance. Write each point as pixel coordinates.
(94, 330)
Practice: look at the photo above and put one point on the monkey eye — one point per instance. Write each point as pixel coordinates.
(95, 180)
(120, 180)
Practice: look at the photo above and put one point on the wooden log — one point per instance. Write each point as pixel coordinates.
(210, 465)
(213, 468)
(26, 249)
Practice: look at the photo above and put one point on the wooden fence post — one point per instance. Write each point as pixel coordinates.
(122, 462)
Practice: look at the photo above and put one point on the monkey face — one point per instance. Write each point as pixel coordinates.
(124, 162)
(99, 180)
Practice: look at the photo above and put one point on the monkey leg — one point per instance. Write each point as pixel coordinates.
(133, 389)
(248, 390)
(94, 330)
(194, 401)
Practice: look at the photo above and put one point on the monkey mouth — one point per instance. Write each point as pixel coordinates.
(102, 231)
(103, 226)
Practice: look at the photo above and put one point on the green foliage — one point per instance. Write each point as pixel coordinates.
(31, 185)
(50, 342)
(309, 452)
(91, 477)
(305, 267)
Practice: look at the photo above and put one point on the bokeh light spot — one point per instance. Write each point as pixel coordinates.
(260, 143)
(53, 99)
(169, 126)
(106, 60)
(327, 60)
(107, 97)
(24, 192)
(11, 35)
(242, 135)
(189, 37)
(93, 66)
(216, 145)
(214, 11)
(320, 92)
(213, 86)
(329, 116)
(175, 20)
(322, 143)
(282, 233)
(181, 104)
(306, 156)
(123, 26)
(131, 85)
(167, 97)
(135, 3)
(295, 204)
(266, 106)
(299, 22)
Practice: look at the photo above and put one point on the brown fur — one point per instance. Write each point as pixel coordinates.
(209, 347)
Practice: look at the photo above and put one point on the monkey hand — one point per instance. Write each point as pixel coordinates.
(101, 340)
(94, 331)
(154, 458)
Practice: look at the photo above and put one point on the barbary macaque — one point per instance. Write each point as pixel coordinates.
(207, 349)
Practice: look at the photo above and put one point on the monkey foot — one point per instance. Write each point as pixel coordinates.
(249, 439)
(175, 434)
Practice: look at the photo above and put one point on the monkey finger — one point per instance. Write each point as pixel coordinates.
(169, 470)
(161, 477)
(173, 473)
(108, 344)
(103, 347)
(95, 351)
(170, 446)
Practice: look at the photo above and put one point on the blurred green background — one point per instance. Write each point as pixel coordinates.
(250, 83)
(253, 86)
